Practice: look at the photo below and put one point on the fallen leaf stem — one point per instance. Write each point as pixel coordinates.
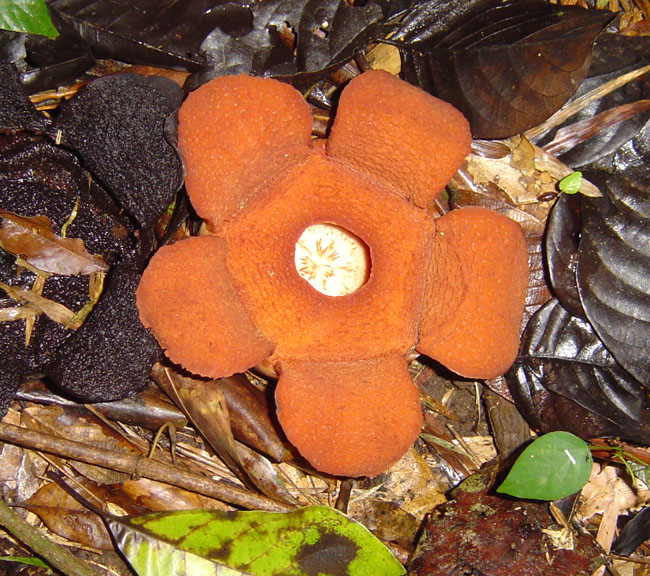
(139, 466)
(55, 555)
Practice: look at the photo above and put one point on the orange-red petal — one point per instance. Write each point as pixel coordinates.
(234, 131)
(399, 135)
(186, 299)
(474, 299)
(349, 418)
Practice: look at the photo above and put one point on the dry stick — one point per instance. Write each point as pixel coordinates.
(137, 466)
(55, 555)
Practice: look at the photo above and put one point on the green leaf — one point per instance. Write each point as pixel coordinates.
(30, 16)
(304, 542)
(553, 466)
(29, 560)
(571, 184)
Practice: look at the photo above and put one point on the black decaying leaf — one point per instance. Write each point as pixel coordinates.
(263, 47)
(614, 52)
(111, 355)
(613, 272)
(163, 33)
(426, 22)
(632, 160)
(38, 178)
(565, 378)
(327, 32)
(106, 124)
(16, 110)
(509, 66)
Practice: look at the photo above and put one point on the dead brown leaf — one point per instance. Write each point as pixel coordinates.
(33, 239)
(64, 516)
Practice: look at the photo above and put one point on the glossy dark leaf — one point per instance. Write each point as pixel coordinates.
(117, 126)
(634, 533)
(264, 47)
(426, 22)
(328, 33)
(57, 62)
(161, 33)
(631, 160)
(561, 251)
(604, 125)
(613, 272)
(510, 66)
(44, 62)
(561, 359)
(615, 52)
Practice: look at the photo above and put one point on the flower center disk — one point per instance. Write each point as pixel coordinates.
(333, 260)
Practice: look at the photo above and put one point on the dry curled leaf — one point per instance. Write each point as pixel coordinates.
(64, 516)
(32, 238)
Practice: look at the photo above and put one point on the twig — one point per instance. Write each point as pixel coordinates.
(138, 466)
(54, 555)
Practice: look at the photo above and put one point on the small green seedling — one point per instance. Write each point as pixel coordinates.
(571, 184)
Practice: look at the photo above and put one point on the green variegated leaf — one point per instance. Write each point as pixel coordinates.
(304, 542)
(152, 556)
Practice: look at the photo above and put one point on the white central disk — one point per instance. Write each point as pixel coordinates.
(332, 259)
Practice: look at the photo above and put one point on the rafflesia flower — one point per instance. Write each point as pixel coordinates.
(322, 261)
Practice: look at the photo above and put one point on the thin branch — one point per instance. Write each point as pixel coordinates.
(138, 466)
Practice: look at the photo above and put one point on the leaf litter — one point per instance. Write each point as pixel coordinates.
(34, 241)
(390, 505)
